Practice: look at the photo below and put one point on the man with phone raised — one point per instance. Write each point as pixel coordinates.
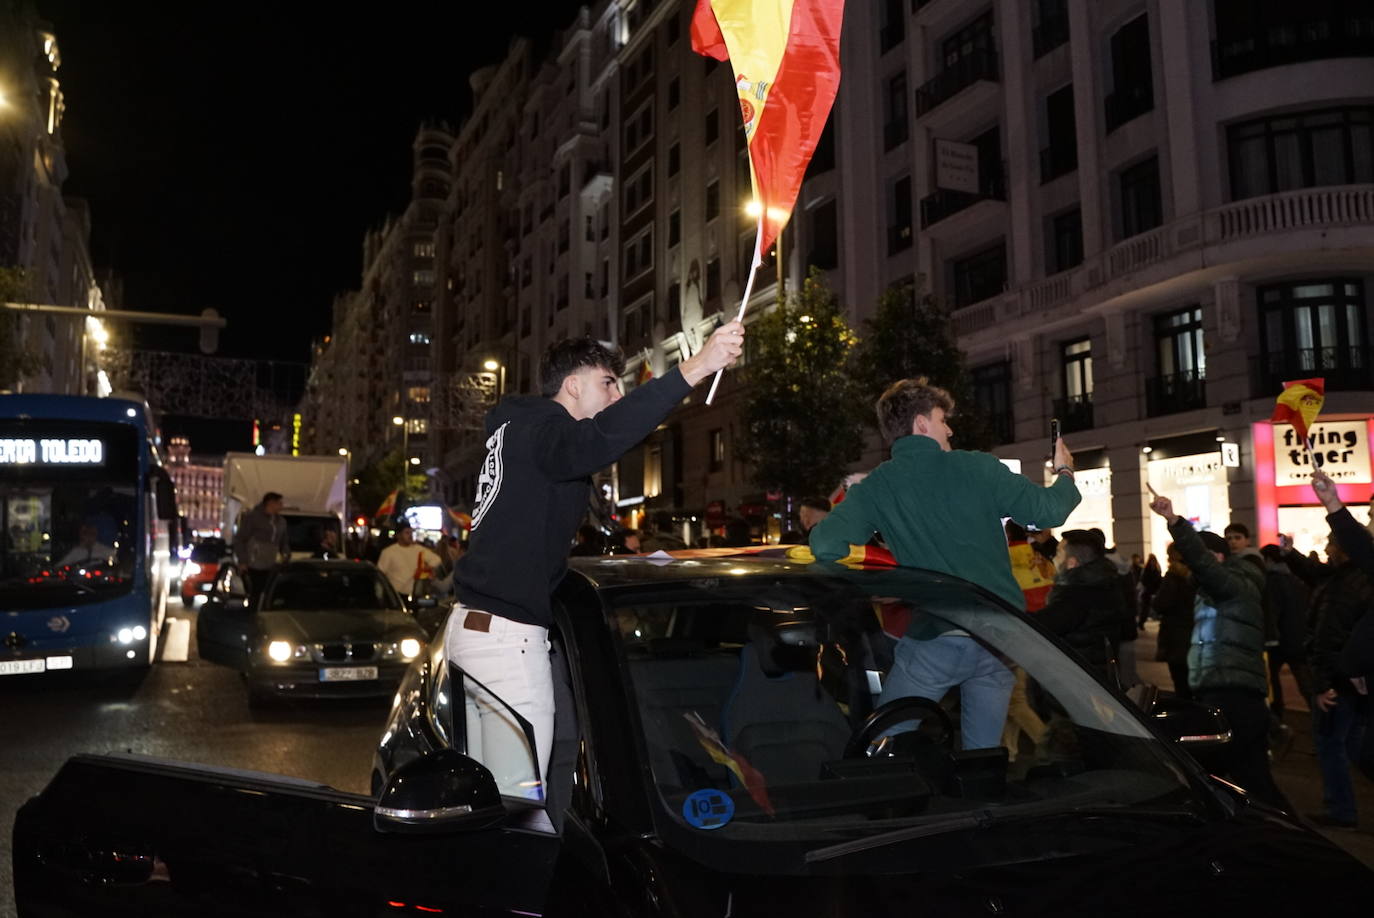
(941, 509)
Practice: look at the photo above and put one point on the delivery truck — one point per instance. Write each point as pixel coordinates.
(314, 491)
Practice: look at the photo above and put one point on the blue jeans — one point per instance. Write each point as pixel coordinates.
(1337, 734)
(928, 669)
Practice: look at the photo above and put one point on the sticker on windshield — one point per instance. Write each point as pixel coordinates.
(708, 809)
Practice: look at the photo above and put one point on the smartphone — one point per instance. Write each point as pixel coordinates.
(1054, 436)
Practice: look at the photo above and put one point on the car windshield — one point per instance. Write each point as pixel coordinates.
(752, 695)
(65, 542)
(330, 589)
(208, 552)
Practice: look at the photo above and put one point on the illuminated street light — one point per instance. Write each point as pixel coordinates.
(398, 420)
(343, 451)
(414, 460)
(491, 365)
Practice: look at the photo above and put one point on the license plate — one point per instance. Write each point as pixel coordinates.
(19, 667)
(347, 673)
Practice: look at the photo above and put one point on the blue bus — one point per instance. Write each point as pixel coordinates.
(87, 513)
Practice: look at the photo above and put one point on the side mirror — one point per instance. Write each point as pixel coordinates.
(1193, 726)
(442, 792)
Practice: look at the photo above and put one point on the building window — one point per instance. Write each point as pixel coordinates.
(1182, 364)
(564, 180)
(424, 277)
(823, 160)
(674, 93)
(713, 279)
(640, 128)
(424, 250)
(1133, 91)
(418, 394)
(899, 216)
(672, 29)
(1141, 207)
(980, 275)
(417, 425)
(713, 200)
(419, 338)
(825, 237)
(1255, 34)
(639, 190)
(1075, 409)
(717, 449)
(892, 29)
(1315, 328)
(895, 130)
(1060, 155)
(639, 253)
(674, 228)
(992, 395)
(1066, 241)
(712, 126)
(674, 159)
(674, 304)
(1307, 150)
(1050, 28)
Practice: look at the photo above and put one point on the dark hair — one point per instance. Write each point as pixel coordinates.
(662, 521)
(903, 400)
(1081, 544)
(270, 496)
(1272, 553)
(1237, 527)
(563, 358)
(1015, 532)
(817, 503)
(1215, 543)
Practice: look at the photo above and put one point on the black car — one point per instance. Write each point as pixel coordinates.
(322, 629)
(718, 752)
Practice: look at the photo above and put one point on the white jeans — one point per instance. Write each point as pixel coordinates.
(512, 660)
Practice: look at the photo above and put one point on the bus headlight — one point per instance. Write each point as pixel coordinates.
(129, 635)
(280, 651)
(410, 648)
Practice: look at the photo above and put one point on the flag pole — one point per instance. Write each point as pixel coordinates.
(748, 289)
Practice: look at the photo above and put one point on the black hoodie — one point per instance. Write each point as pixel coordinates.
(533, 488)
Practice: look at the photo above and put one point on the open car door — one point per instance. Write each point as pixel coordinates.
(225, 625)
(129, 835)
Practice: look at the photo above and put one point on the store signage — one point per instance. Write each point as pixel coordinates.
(1339, 448)
(956, 166)
(51, 451)
(1230, 455)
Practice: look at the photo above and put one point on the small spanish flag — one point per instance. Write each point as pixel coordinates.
(1300, 403)
(388, 506)
(646, 371)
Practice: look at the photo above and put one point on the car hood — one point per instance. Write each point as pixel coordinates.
(1255, 865)
(347, 624)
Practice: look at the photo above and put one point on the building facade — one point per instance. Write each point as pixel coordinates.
(200, 487)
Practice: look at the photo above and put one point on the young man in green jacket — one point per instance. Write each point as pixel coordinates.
(942, 510)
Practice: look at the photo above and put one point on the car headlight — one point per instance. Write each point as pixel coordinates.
(190, 569)
(279, 651)
(411, 648)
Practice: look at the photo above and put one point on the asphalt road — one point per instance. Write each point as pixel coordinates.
(193, 711)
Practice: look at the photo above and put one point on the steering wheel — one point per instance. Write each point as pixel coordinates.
(895, 712)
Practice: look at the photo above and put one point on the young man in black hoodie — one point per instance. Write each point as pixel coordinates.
(532, 492)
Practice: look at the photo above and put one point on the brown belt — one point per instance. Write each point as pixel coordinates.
(477, 621)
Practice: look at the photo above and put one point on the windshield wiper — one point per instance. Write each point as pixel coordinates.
(983, 819)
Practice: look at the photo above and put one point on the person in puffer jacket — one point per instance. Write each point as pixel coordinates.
(1226, 654)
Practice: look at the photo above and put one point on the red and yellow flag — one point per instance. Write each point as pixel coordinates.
(389, 505)
(1300, 404)
(786, 58)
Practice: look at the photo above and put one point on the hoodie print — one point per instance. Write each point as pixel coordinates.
(489, 479)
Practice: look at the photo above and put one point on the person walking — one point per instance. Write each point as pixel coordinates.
(942, 509)
(1150, 579)
(1226, 655)
(1086, 604)
(1173, 606)
(260, 544)
(662, 537)
(532, 493)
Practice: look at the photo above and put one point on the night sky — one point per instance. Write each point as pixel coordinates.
(234, 155)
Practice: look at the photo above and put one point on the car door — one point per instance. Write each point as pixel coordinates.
(130, 835)
(225, 628)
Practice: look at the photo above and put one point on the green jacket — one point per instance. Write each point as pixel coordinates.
(1227, 646)
(943, 511)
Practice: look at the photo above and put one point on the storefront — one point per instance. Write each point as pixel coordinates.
(1284, 501)
(1190, 472)
(1094, 480)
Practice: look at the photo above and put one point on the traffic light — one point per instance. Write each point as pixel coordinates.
(209, 334)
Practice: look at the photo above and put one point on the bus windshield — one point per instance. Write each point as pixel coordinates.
(68, 513)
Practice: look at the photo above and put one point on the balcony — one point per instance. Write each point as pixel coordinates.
(1048, 35)
(895, 132)
(1345, 369)
(1057, 161)
(980, 65)
(1174, 393)
(945, 202)
(1128, 104)
(1257, 47)
(1075, 413)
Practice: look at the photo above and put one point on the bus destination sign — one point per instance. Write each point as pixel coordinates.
(51, 451)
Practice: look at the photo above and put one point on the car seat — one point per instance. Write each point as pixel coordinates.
(778, 717)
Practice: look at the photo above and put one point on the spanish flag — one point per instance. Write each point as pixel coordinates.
(388, 506)
(786, 59)
(1300, 404)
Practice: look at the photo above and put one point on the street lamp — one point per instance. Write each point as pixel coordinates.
(492, 365)
(405, 450)
(348, 474)
(754, 208)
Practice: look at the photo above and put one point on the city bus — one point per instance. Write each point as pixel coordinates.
(87, 515)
